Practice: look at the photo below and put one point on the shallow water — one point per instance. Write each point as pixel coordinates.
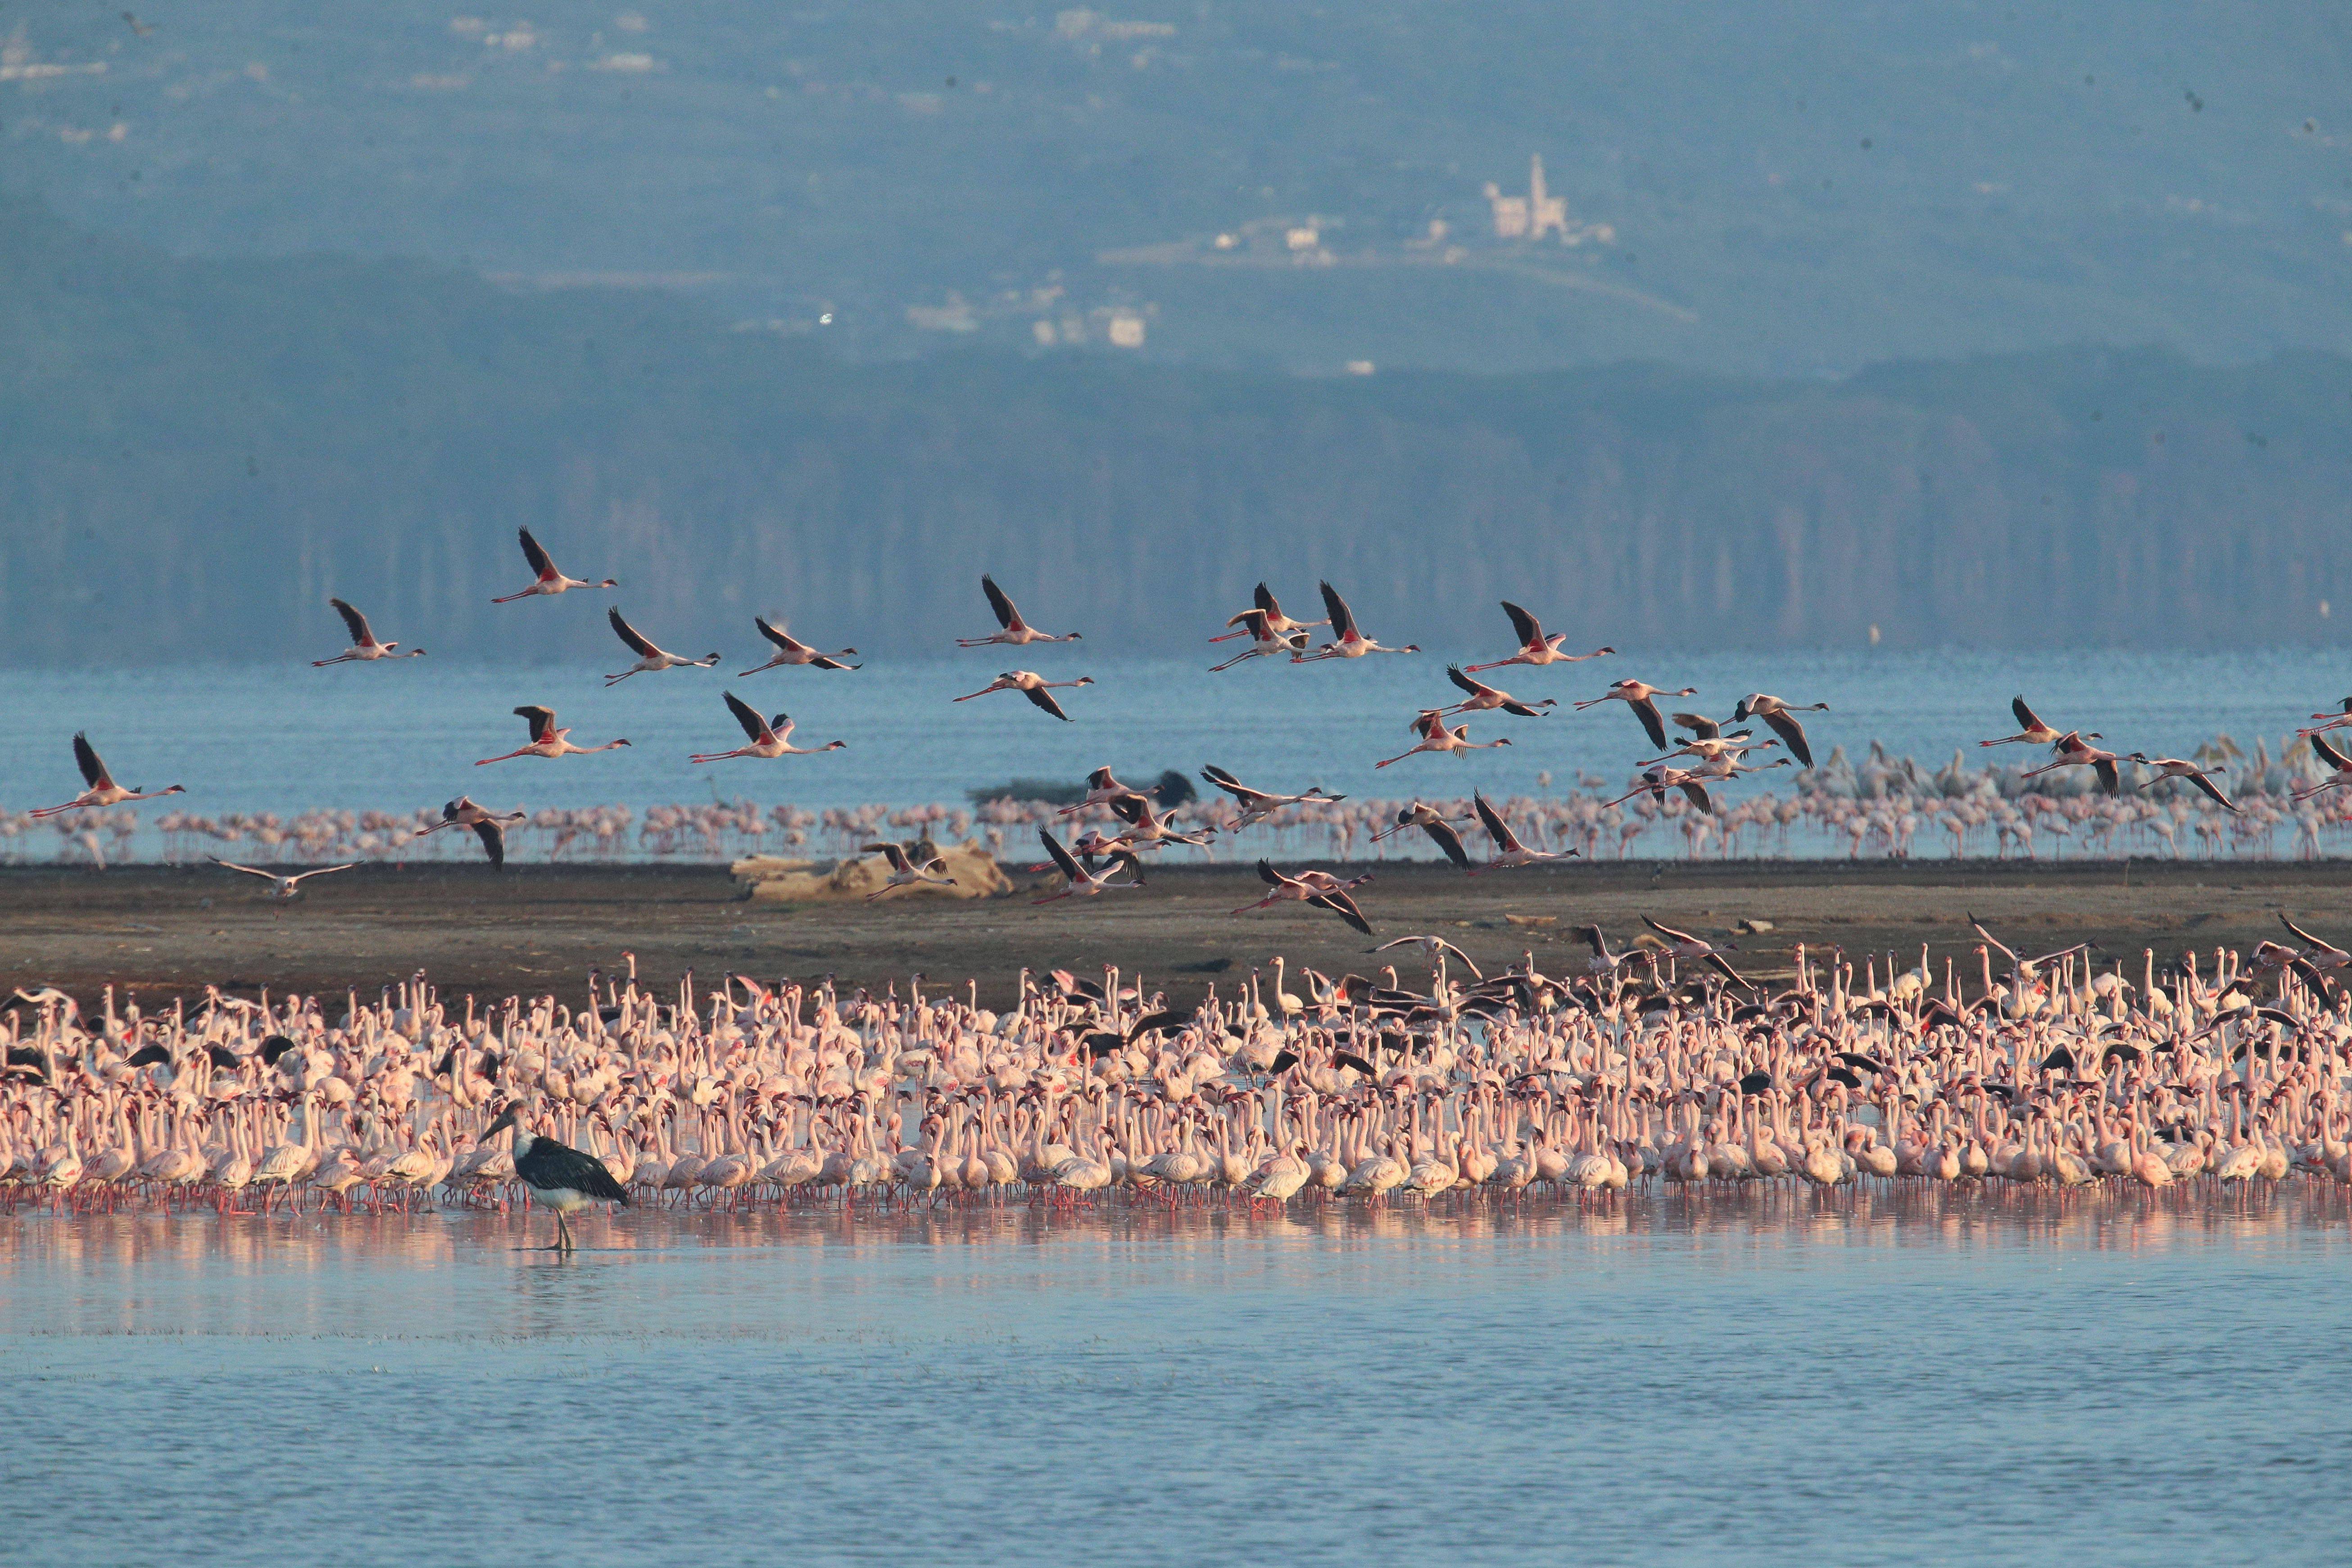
(1761, 1377)
(404, 735)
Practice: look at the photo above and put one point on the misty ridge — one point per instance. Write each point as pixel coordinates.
(194, 453)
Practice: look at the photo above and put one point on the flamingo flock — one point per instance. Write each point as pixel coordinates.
(1655, 1064)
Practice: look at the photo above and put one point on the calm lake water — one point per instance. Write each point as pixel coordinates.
(401, 735)
(1771, 1378)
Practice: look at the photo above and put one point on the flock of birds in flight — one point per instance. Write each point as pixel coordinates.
(1708, 756)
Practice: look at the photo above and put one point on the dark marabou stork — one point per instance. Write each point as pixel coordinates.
(561, 1178)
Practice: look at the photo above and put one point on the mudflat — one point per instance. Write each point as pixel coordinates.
(164, 930)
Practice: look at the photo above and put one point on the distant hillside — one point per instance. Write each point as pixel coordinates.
(1788, 187)
(194, 453)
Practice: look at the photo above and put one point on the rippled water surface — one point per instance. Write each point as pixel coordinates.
(1776, 1378)
(405, 734)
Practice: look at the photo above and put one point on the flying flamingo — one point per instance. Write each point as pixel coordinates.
(1346, 642)
(1031, 684)
(546, 740)
(363, 644)
(550, 581)
(1708, 742)
(1436, 737)
(770, 737)
(489, 827)
(1146, 826)
(1319, 888)
(2032, 731)
(1101, 789)
(1483, 697)
(791, 650)
(1017, 631)
(1435, 823)
(2334, 720)
(2340, 770)
(1640, 696)
(1686, 947)
(102, 790)
(1536, 647)
(1508, 851)
(2175, 768)
(904, 872)
(1085, 884)
(1266, 618)
(1656, 781)
(1780, 716)
(1267, 641)
(281, 888)
(649, 657)
(1256, 804)
(2075, 752)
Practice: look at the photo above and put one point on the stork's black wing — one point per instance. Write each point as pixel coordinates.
(550, 1165)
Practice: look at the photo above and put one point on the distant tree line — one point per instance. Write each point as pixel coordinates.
(194, 453)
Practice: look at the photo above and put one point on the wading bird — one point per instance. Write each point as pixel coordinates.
(1436, 737)
(102, 790)
(770, 737)
(1508, 851)
(904, 872)
(2175, 768)
(649, 657)
(1256, 804)
(281, 887)
(1536, 645)
(546, 740)
(1345, 642)
(1780, 716)
(489, 827)
(549, 580)
(1015, 632)
(562, 1179)
(363, 644)
(791, 650)
(1641, 696)
(1033, 686)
